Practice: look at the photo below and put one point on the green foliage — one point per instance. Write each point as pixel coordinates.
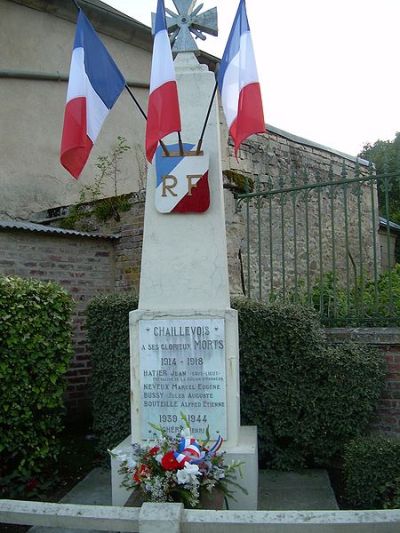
(386, 157)
(384, 154)
(307, 398)
(366, 302)
(35, 351)
(102, 208)
(240, 182)
(372, 472)
(108, 333)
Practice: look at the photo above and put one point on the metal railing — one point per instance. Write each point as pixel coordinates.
(329, 242)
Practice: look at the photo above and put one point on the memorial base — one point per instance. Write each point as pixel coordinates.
(119, 494)
(245, 451)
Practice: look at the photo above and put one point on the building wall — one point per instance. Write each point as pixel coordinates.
(31, 116)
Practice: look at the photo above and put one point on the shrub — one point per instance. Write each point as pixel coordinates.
(306, 397)
(366, 302)
(108, 333)
(35, 348)
(372, 472)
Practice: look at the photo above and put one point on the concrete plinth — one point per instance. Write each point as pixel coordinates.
(246, 451)
(120, 494)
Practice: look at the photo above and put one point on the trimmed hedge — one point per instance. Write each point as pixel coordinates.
(372, 472)
(35, 351)
(108, 333)
(307, 398)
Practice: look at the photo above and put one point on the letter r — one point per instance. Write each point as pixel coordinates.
(169, 187)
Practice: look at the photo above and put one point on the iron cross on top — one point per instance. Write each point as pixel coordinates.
(188, 21)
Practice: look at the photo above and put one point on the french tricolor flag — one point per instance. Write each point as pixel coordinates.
(163, 116)
(238, 82)
(95, 83)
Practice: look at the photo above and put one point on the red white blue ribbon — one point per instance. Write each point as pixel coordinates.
(189, 451)
(213, 450)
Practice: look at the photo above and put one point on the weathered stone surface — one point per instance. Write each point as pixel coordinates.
(297, 236)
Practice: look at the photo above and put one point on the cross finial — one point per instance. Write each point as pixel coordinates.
(188, 21)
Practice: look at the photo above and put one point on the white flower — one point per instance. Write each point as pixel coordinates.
(185, 433)
(131, 462)
(218, 473)
(187, 474)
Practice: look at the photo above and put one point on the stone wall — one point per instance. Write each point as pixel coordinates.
(296, 236)
(388, 341)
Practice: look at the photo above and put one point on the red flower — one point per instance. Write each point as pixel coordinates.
(154, 451)
(140, 473)
(31, 484)
(169, 462)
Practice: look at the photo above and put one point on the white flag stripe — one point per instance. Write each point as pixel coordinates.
(76, 82)
(96, 112)
(240, 72)
(79, 86)
(162, 67)
(248, 68)
(231, 90)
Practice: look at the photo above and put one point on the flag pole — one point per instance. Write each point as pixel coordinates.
(206, 120)
(181, 153)
(135, 100)
(165, 149)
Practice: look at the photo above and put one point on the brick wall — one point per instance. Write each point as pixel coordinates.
(389, 408)
(83, 266)
(107, 261)
(388, 341)
(128, 249)
(126, 228)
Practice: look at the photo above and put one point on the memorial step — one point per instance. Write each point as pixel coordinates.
(305, 490)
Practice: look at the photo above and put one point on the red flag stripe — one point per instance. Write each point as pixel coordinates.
(250, 118)
(75, 144)
(162, 117)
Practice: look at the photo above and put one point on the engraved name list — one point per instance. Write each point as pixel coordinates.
(182, 370)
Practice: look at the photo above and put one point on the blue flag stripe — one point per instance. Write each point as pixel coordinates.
(240, 26)
(104, 75)
(160, 23)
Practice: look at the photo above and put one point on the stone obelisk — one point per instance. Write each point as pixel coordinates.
(184, 335)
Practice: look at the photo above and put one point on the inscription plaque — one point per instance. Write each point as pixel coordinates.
(182, 370)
